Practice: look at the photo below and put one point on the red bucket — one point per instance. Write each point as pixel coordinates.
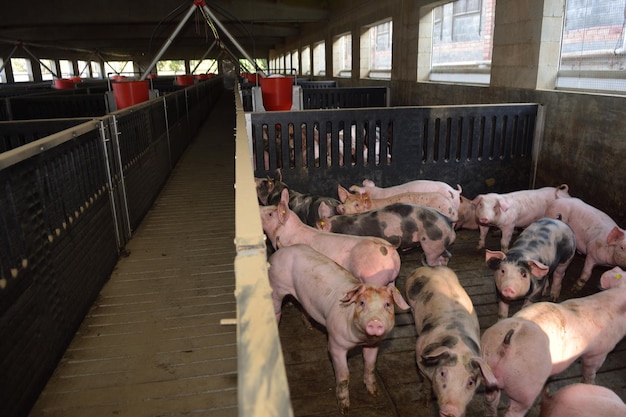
(63, 83)
(277, 92)
(185, 80)
(202, 76)
(129, 93)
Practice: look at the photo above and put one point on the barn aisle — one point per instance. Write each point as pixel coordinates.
(152, 343)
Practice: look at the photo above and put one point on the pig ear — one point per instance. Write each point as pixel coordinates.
(397, 297)
(538, 269)
(476, 200)
(351, 295)
(493, 258)
(367, 201)
(368, 183)
(436, 356)
(343, 193)
(489, 379)
(324, 210)
(504, 205)
(615, 235)
(284, 196)
(283, 212)
(279, 175)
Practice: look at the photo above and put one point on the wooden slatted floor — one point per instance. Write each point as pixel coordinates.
(152, 344)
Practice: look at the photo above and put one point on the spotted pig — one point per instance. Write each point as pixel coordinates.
(545, 248)
(448, 337)
(410, 225)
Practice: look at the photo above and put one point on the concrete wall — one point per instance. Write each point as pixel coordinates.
(582, 144)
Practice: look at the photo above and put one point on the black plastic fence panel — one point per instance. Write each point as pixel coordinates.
(56, 106)
(344, 97)
(17, 133)
(483, 148)
(316, 84)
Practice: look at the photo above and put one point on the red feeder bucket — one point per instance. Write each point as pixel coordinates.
(185, 80)
(118, 77)
(152, 76)
(129, 93)
(250, 77)
(76, 79)
(277, 92)
(202, 76)
(63, 83)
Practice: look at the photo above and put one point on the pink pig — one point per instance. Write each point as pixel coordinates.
(362, 202)
(417, 186)
(613, 278)
(544, 339)
(354, 313)
(597, 235)
(371, 259)
(467, 215)
(582, 400)
(511, 210)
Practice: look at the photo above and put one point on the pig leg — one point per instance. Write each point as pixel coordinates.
(503, 309)
(557, 280)
(369, 366)
(591, 364)
(507, 235)
(339, 357)
(483, 235)
(492, 399)
(585, 274)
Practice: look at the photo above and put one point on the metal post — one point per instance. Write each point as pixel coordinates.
(169, 41)
(8, 58)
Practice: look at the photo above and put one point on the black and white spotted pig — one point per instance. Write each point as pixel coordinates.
(546, 247)
(308, 207)
(448, 338)
(413, 226)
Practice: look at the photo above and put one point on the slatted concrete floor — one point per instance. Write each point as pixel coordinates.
(152, 344)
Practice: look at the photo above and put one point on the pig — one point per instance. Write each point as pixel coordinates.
(613, 278)
(511, 210)
(597, 235)
(582, 400)
(308, 207)
(354, 313)
(448, 337)
(467, 215)
(545, 248)
(361, 202)
(544, 339)
(416, 186)
(410, 225)
(371, 259)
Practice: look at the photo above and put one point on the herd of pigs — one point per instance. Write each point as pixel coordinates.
(339, 259)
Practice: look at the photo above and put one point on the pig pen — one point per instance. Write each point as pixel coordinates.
(484, 149)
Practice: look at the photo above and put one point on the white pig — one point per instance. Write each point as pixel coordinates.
(582, 400)
(448, 336)
(416, 186)
(613, 278)
(544, 339)
(371, 259)
(352, 203)
(597, 235)
(354, 313)
(511, 210)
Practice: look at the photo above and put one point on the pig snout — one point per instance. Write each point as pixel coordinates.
(340, 209)
(508, 292)
(375, 327)
(450, 411)
(483, 220)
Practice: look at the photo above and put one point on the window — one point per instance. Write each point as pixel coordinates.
(306, 61)
(295, 64)
(22, 71)
(66, 68)
(376, 43)
(48, 69)
(169, 67)
(119, 67)
(3, 74)
(461, 41)
(319, 59)
(342, 56)
(593, 48)
(83, 69)
(96, 69)
(205, 66)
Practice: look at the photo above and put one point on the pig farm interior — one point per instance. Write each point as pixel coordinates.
(134, 269)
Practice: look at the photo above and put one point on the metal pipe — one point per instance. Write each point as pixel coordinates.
(40, 63)
(8, 59)
(204, 56)
(169, 41)
(231, 37)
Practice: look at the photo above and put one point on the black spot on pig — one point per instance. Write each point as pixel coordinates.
(471, 343)
(417, 286)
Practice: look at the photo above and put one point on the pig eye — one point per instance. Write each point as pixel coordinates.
(471, 382)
